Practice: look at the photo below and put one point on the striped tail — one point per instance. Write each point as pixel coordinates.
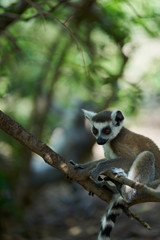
(108, 220)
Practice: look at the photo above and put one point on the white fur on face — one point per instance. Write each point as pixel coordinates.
(114, 129)
(99, 126)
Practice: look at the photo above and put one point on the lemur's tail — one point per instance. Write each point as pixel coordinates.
(109, 218)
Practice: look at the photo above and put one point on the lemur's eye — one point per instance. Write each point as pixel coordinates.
(95, 131)
(106, 131)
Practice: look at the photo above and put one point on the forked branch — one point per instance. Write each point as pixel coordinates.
(80, 175)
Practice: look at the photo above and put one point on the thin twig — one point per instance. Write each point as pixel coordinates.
(131, 214)
(14, 129)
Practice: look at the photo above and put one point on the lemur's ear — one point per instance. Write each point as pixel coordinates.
(117, 117)
(88, 114)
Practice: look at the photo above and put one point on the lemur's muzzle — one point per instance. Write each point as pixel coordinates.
(101, 141)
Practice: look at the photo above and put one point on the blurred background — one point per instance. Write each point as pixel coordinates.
(57, 57)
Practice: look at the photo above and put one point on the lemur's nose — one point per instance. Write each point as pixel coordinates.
(101, 141)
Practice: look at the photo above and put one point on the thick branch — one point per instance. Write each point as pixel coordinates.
(14, 129)
(81, 175)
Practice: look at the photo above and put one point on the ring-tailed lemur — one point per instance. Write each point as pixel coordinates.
(125, 152)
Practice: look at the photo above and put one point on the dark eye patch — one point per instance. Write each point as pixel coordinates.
(95, 131)
(106, 130)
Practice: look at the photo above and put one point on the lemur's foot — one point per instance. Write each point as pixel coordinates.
(105, 182)
(119, 172)
(76, 165)
(94, 176)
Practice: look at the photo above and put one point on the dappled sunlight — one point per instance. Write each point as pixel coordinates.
(64, 167)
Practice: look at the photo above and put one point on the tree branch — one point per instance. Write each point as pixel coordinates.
(149, 194)
(14, 129)
(80, 175)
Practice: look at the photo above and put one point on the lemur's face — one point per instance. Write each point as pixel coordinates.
(105, 125)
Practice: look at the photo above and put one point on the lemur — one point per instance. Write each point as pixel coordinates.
(125, 153)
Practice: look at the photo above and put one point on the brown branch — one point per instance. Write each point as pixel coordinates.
(14, 129)
(131, 214)
(82, 176)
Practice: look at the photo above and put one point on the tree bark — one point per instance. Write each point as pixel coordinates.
(14, 129)
(82, 176)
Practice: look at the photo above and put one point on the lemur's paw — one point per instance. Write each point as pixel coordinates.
(94, 176)
(76, 165)
(119, 171)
